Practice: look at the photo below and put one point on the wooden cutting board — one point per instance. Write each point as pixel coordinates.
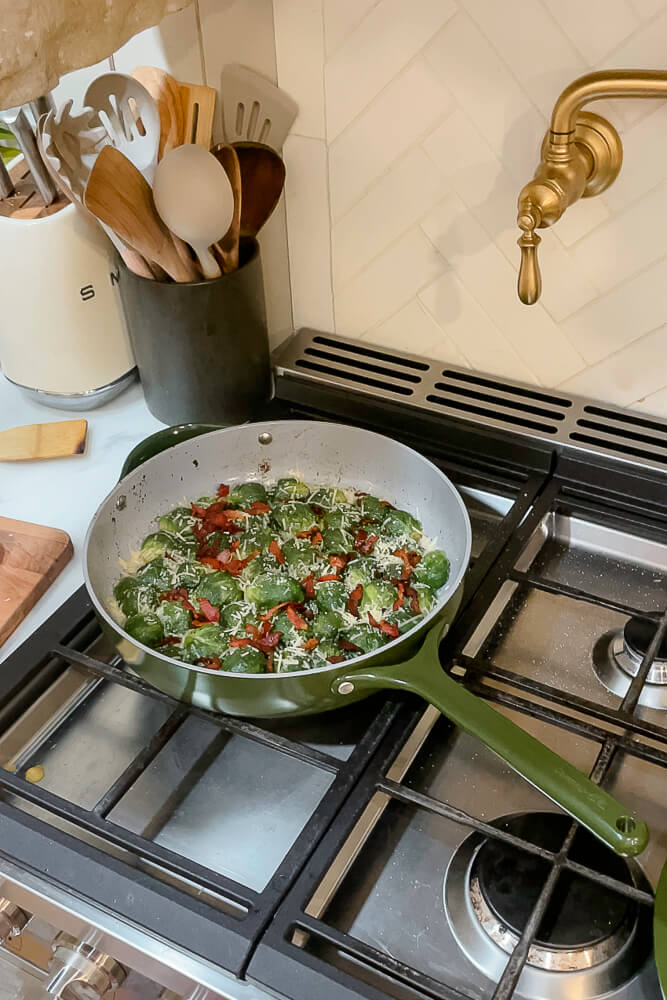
(31, 557)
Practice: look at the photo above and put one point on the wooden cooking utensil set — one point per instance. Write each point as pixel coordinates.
(140, 160)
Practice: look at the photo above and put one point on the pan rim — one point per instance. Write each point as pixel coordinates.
(449, 588)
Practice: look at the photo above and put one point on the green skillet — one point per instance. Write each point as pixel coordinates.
(327, 453)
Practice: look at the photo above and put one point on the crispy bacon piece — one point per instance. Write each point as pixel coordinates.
(217, 516)
(268, 615)
(258, 507)
(269, 663)
(313, 533)
(412, 594)
(178, 595)
(229, 562)
(353, 600)
(235, 642)
(296, 619)
(335, 659)
(339, 562)
(275, 550)
(262, 638)
(400, 586)
(310, 644)
(212, 662)
(386, 627)
(364, 542)
(316, 509)
(308, 585)
(169, 640)
(223, 490)
(385, 503)
(348, 646)
(328, 576)
(409, 560)
(208, 610)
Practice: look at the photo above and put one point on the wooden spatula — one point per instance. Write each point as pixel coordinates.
(198, 110)
(57, 440)
(118, 195)
(166, 92)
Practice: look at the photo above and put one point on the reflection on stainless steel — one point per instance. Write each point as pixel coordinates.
(616, 663)
(81, 972)
(12, 920)
(548, 975)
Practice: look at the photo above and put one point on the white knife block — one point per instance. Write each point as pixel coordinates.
(62, 328)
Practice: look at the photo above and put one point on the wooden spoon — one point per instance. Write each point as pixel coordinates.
(262, 182)
(118, 195)
(166, 92)
(62, 438)
(228, 247)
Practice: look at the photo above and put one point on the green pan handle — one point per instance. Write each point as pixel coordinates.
(561, 781)
(162, 440)
(660, 930)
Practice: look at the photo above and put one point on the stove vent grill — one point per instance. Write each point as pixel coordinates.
(568, 421)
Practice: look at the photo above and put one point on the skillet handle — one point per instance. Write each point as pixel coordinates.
(160, 441)
(563, 783)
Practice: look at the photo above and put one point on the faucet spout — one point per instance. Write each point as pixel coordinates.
(581, 156)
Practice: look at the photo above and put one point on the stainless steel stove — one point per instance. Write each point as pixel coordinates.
(150, 849)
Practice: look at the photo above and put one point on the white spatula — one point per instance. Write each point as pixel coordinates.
(255, 109)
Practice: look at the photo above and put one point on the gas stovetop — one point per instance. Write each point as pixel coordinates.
(379, 851)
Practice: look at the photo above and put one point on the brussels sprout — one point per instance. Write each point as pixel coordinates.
(364, 636)
(207, 640)
(433, 569)
(158, 572)
(290, 489)
(244, 660)
(370, 506)
(219, 588)
(134, 595)
(145, 628)
(344, 517)
(336, 540)
(404, 617)
(236, 616)
(328, 496)
(175, 618)
(245, 494)
(260, 564)
(294, 516)
(378, 595)
(331, 595)
(426, 598)
(302, 557)
(156, 545)
(326, 648)
(327, 624)
(268, 589)
(188, 574)
(361, 571)
(290, 634)
(206, 501)
(178, 521)
(257, 536)
(399, 522)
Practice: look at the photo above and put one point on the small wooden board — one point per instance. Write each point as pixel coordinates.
(31, 557)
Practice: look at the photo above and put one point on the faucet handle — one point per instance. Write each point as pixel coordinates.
(530, 279)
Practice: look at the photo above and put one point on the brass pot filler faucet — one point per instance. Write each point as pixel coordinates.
(581, 156)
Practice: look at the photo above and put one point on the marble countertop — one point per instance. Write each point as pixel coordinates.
(65, 492)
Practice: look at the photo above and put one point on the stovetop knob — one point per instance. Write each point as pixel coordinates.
(12, 920)
(80, 971)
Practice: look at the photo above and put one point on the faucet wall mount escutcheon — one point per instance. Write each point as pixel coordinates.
(581, 156)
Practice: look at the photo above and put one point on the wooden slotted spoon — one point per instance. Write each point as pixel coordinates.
(119, 196)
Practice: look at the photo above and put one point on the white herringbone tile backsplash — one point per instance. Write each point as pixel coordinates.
(420, 120)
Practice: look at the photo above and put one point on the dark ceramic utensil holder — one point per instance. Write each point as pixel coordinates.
(202, 348)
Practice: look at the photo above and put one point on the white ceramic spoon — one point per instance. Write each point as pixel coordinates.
(195, 201)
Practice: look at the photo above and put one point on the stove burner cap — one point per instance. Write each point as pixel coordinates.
(638, 634)
(581, 914)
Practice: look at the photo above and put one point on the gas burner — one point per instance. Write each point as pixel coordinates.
(596, 935)
(617, 657)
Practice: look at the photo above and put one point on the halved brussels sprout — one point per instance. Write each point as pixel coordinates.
(269, 589)
(155, 545)
(245, 494)
(236, 616)
(302, 557)
(359, 571)
(331, 595)
(290, 489)
(294, 516)
(426, 598)
(219, 588)
(207, 640)
(146, 628)
(399, 522)
(328, 496)
(343, 517)
(244, 660)
(370, 506)
(188, 574)
(159, 573)
(134, 595)
(178, 521)
(335, 540)
(175, 618)
(433, 569)
(378, 596)
(258, 536)
(364, 636)
(327, 624)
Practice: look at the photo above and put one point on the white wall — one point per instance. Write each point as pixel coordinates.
(420, 122)
(194, 45)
